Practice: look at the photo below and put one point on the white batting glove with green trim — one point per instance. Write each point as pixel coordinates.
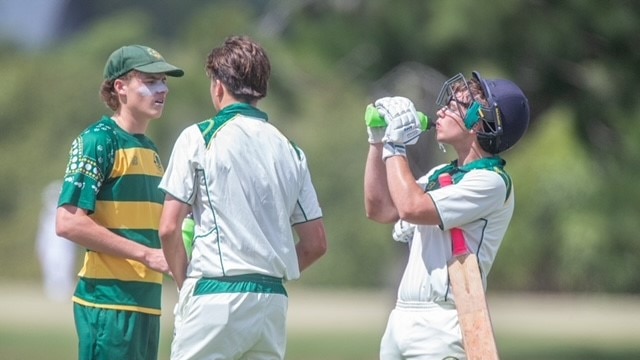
(403, 123)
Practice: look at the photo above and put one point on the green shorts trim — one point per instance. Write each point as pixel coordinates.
(254, 283)
(105, 334)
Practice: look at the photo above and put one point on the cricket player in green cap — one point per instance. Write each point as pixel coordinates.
(111, 205)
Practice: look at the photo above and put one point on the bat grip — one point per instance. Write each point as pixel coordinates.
(459, 243)
(457, 236)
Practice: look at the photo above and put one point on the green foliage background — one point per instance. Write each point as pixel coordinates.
(575, 226)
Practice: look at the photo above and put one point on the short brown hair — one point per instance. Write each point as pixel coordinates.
(474, 88)
(108, 93)
(242, 66)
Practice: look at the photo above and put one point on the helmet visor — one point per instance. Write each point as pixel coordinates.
(455, 97)
(450, 96)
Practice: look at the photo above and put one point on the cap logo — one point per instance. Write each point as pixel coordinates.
(154, 53)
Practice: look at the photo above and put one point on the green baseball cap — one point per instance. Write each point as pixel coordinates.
(138, 57)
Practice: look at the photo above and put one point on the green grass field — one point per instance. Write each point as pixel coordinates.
(344, 325)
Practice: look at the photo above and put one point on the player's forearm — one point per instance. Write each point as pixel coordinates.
(309, 254)
(378, 204)
(176, 255)
(410, 200)
(170, 232)
(177, 259)
(313, 243)
(73, 224)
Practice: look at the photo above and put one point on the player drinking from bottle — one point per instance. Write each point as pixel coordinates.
(480, 119)
(110, 203)
(247, 186)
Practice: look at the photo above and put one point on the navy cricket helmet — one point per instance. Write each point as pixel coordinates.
(506, 118)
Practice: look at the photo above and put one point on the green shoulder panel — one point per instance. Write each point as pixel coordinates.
(495, 164)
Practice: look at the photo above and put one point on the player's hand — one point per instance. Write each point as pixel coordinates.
(403, 231)
(376, 125)
(155, 260)
(403, 124)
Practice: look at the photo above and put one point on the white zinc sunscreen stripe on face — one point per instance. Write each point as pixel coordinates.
(154, 88)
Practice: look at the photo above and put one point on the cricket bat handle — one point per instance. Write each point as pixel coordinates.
(457, 236)
(471, 305)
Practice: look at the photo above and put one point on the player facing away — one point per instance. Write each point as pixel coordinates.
(480, 119)
(111, 205)
(248, 186)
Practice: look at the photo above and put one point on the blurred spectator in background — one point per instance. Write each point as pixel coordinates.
(57, 255)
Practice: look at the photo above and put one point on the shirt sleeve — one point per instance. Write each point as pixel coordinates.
(478, 193)
(179, 178)
(307, 207)
(423, 181)
(91, 160)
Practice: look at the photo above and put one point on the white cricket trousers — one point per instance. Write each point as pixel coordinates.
(235, 325)
(424, 331)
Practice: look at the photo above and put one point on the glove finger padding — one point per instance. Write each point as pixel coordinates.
(375, 134)
(384, 106)
(403, 231)
(403, 123)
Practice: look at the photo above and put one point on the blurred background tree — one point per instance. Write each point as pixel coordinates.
(575, 223)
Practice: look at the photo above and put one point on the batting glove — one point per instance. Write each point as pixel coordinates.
(376, 125)
(391, 149)
(403, 231)
(375, 135)
(403, 124)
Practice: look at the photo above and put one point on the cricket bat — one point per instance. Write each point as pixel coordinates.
(468, 291)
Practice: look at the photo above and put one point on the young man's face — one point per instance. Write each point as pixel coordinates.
(145, 94)
(450, 123)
